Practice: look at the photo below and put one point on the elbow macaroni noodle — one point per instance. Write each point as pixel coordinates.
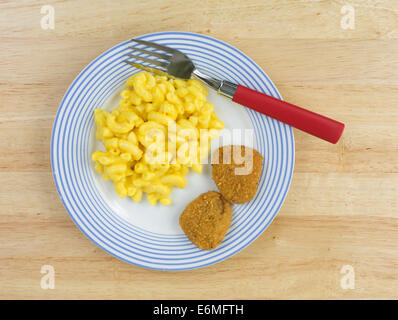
(161, 128)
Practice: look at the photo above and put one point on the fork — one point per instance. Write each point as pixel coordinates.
(176, 64)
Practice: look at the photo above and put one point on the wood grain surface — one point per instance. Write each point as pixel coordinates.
(342, 207)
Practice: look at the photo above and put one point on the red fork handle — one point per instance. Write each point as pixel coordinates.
(305, 120)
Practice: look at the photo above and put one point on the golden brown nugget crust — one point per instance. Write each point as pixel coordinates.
(206, 220)
(236, 188)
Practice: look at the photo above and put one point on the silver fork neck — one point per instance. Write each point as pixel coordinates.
(210, 81)
(223, 87)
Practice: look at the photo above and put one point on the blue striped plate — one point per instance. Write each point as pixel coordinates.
(148, 236)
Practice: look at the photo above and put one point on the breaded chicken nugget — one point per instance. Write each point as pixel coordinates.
(206, 220)
(236, 172)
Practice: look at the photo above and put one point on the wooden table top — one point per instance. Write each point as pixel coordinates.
(335, 237)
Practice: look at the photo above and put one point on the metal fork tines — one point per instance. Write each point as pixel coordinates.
(172, 61)
(162, 56)
(177, 64)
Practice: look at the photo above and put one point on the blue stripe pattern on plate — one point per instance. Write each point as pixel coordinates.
(74, 177)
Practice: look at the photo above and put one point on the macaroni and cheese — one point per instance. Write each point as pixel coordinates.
(160, 129)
